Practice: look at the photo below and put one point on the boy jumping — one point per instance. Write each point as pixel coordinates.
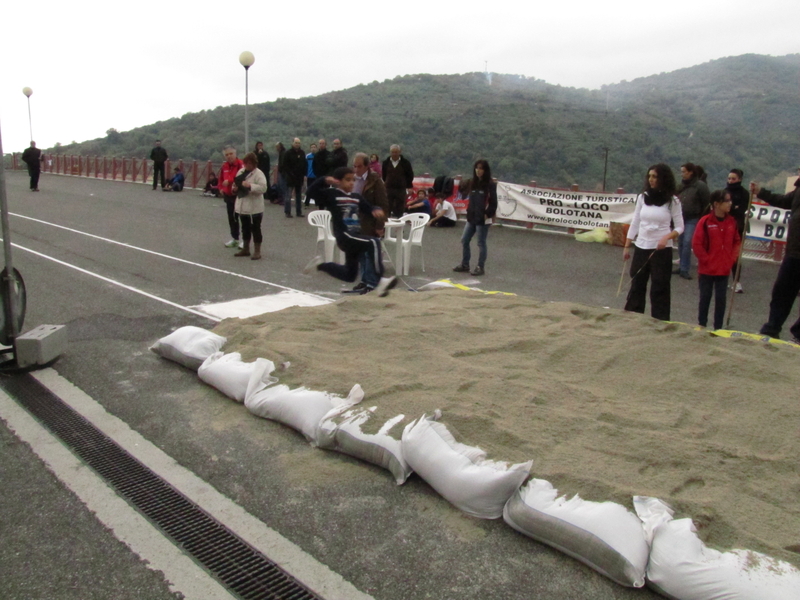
(344, 207)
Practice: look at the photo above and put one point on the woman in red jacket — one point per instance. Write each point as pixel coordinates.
(716, 244)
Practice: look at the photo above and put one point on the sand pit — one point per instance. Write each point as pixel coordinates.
(608, 404)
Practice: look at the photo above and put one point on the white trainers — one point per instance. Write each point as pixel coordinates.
(240, 243)
(384, 285)
(737, 289)
(232, 243)
(312, 265)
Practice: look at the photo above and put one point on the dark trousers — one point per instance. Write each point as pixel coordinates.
(397, 201)
(716, 285)
(158, 167)
(251, 227)
(309, 182)
(233, 222)
(298, 198)
(655, 266)
(784, 292)
(34, 173)
(354, 246)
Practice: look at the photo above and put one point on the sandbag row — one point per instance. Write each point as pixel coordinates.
(631, 550)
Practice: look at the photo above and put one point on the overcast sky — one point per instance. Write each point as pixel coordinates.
(96, 64)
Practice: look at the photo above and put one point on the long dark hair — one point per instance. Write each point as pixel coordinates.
(665, 185)
(480, 184)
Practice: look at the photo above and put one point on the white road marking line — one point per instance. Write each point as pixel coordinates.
(181, 572)
(117, 283)
(167, 256)
(290, 557)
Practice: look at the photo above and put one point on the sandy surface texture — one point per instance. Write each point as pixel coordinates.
(608, 404)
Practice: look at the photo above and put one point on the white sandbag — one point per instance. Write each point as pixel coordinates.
(682, 567)
(189, 346)
(343, 434)
(231, 376)
(460, 473)
(603, 535)
(301, 409)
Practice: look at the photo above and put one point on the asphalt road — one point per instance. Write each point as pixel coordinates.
(390, 542)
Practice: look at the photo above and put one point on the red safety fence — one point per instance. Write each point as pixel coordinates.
(120, 169)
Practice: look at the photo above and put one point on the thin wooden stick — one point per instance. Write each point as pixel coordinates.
(739, 260)
(622, 276)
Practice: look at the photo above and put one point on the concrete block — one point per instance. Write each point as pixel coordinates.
(41, 345)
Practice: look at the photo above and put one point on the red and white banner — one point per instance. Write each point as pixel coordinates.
(562, 208)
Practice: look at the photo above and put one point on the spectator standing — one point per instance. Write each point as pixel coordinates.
(294, 172)
(694, 195)
(740, 203)
(369, 186)
(280, 149)
(227, 174)
(716, 245)
(482, 194)
(787, 284)
(32, 157)
(159, 157)
(249, 185)
(375, 165)
(262, 156)
(657, 221)
(339, 155)
(310, 176)
(398, 176)
(322, 160)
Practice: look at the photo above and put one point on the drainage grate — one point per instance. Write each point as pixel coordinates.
(234, 563)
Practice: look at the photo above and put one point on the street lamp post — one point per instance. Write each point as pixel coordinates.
(246, 59)
(28, 91)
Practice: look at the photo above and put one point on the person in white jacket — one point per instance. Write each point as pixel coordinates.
(249, 187)
(657, 222)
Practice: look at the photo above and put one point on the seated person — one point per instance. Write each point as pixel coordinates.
(445, 214)
(212, 185)
(420, 204)
(176, 183)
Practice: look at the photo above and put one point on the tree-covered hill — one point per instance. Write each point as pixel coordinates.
(740, 111)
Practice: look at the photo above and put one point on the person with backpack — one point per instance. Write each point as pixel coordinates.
(716, 244)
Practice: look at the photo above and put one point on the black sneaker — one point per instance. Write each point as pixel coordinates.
(477, 271)
(461, 269)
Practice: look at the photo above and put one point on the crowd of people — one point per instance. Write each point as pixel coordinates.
(685, 215)
(710, 226)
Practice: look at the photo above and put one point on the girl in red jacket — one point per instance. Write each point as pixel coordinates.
(716, 244)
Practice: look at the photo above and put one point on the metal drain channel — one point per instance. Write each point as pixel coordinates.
(239, 567)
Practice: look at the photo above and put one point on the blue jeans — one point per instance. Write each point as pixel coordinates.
(469, 230)
(685, 244)
(368, 274)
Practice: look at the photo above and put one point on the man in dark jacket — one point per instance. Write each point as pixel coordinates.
(787, 284)
(159, 157)
(322, 160)
(294, 172)
(338, 156)
(740, 202)
(694, 196)
(398, 176)
(32, 157)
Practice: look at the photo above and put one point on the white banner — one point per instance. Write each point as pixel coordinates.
(768, 223)
(581, 210)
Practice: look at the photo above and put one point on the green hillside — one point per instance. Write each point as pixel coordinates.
(740, 111)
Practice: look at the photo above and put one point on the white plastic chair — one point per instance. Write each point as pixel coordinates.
(418, 221)
(321, 219)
